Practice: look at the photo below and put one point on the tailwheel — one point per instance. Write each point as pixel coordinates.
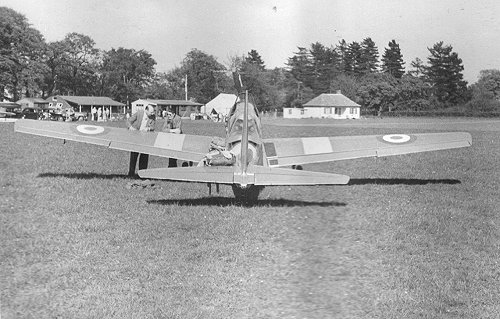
(247, 195)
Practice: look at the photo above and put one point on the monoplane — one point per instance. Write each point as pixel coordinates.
(253, 162)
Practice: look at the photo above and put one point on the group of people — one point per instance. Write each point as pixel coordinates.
(145, 120)
(98, 114)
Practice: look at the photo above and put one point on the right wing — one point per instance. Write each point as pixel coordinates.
(180, 146)
(295, 151)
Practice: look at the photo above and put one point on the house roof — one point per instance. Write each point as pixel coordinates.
(9, 105)
(35, 100)
(331, 100)
(222, 103)
(90, 100)
(172, 102)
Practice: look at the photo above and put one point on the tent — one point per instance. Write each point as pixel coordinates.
(221, 104)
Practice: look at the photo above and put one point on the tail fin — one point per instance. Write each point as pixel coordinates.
(244, 138)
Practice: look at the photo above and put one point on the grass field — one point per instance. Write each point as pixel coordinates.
(413, 236)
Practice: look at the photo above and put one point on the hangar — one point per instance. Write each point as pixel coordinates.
(84, 103)
(180, 107)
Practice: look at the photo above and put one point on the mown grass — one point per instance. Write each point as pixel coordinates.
(414, 236)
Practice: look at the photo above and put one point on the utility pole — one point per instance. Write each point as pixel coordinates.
(186, 86)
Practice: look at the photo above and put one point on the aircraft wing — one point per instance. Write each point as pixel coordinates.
(295, 151)
(180, 146)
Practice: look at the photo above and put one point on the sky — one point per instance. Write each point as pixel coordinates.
(169, 29)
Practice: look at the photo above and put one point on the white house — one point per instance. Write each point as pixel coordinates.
(335, 106)
(221, 104)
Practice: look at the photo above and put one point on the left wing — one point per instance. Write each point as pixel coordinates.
(294, 151)
(180, 146)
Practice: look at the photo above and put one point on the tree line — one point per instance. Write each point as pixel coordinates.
(31, 67)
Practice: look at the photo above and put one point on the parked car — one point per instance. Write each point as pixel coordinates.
(80, 116)
(52, 114)
(29, 113)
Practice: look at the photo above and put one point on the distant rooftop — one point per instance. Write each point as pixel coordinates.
(89, 100)
(173, 102)
(325, 100)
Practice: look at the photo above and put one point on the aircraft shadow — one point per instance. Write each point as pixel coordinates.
(401, 181)
(86, 175)
(227, 201)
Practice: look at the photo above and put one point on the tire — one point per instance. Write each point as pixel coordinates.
(247, 195)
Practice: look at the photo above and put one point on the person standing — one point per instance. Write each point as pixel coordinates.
(173, 124)
(106, 116)
(93, 113)
(142, 120)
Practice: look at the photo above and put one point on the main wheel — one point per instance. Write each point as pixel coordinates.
(247, 195)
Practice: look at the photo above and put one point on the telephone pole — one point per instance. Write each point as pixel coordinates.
(186, 86)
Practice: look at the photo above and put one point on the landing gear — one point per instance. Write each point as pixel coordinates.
(297, 167)
(247, 195)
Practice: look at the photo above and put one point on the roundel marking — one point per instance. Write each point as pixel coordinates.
(396, 138)
(90, 129)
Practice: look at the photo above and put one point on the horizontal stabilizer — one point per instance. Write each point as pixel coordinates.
(256, 175)
(205, 174)
(283, 176)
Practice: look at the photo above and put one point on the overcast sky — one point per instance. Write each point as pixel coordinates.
(169, 29)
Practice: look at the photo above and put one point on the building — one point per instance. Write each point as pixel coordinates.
(31, 102)
(179, 107)
(221, 104)
(84, 103)
(335, 106)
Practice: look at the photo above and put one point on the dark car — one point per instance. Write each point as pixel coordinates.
(29, 113)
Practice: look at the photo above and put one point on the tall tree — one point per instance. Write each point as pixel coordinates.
(369, 56)
(343, 61)
(300, 66)
(392, 60)
(55, 61)
(378, 92)
(413, 93)
(445, 73)
(254, 58)
(77, 76)
(206, 77)
(486, 92)
(489, 80)
(353, 60)
(418, 68)
(324, 67)
(126, 73)
(22, 53)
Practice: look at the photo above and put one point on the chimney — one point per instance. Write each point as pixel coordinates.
(339, 92)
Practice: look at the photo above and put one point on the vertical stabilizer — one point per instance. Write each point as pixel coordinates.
(244, 138)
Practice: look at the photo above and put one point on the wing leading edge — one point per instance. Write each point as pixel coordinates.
(294, 151)
(180, 146)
